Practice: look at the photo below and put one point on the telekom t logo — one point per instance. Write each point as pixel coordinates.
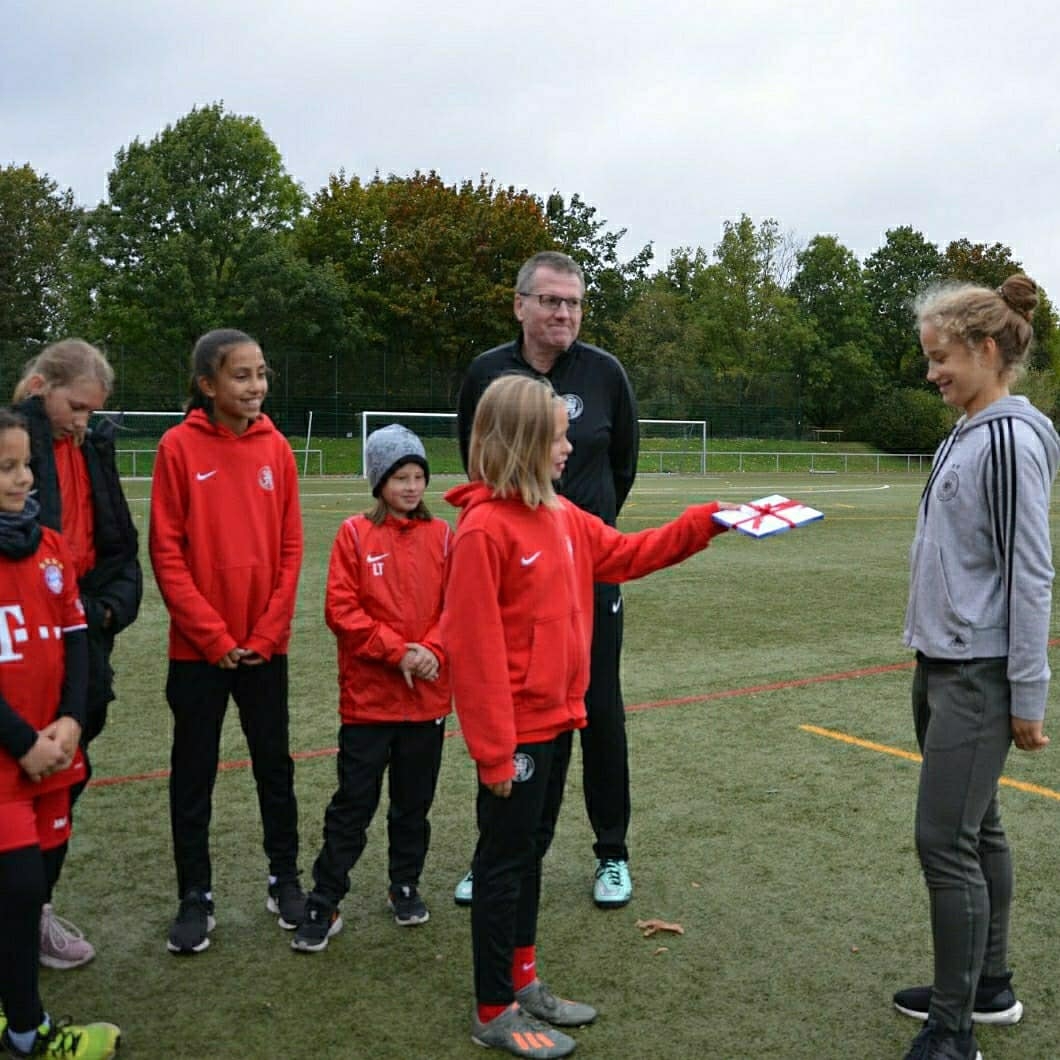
(12, 632)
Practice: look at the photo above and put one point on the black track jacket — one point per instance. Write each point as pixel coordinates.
(603, 420)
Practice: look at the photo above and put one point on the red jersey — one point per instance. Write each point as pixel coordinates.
(39, 604)
(226, 537)
(384, 592)
(518, 618)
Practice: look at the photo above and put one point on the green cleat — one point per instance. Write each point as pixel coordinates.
(69, 1041)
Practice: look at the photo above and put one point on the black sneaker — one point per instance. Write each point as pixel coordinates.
(287, 900)
(320, 923)
(190, 932)
(995, 1003)
(409, 908)
(936, 1043)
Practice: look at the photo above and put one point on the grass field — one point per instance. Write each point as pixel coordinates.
(782, 847)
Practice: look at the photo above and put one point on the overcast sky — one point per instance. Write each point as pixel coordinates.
(846, 118)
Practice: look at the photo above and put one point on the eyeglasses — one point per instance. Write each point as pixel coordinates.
(552, 302)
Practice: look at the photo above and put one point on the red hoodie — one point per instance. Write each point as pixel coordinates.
(385, 592)
(518, 618)
(226, 537)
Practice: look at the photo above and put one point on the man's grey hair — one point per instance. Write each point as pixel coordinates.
(547, 259)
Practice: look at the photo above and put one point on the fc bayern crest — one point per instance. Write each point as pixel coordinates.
(265, 478)
(575, 406)
(53, 574)
(524, 767)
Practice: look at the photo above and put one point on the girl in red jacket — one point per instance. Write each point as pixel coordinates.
(516, 629)
(384, 602)
(43, 674)
(226, 546)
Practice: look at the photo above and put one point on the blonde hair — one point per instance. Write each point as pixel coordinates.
(511, 439)
(972, 314)
(65, 363)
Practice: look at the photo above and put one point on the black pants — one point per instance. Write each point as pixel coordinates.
(413, 753)
(605, 755)
(963, 726)
(514, 835)
(198, 697)
(21, 896)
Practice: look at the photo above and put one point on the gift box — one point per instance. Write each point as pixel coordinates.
(768, 516)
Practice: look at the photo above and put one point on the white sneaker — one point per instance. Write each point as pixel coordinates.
(465, 890)
(613, 886)
(62, 944)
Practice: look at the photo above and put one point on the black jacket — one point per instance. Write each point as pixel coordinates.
(603, 420)
(116, 581)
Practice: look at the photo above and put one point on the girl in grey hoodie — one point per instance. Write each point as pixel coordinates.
(980, 602)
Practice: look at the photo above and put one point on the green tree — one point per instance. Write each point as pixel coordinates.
(610, 283)
(894, 275)
(659, 344)
(37, 220)
(750, 327)
(177, 247)
(837, 368)
(431, 266)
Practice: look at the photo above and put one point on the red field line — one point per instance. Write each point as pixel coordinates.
(706, 697)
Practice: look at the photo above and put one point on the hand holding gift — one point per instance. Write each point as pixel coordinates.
(769, 515)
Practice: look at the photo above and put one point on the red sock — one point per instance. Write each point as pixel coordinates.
(524, 967)
(490, 1012)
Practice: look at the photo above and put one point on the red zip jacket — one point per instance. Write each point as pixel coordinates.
(518, 618)
(226, 537)
(384, 592)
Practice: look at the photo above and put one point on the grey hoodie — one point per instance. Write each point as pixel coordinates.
(981, 567)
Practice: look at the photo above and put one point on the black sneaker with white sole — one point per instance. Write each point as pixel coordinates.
(190, 931)
(408, 907)
(321, 922)
(287, 900)
(937, 1043)
(995, 1002)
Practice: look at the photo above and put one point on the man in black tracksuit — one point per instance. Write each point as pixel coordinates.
(600, 471)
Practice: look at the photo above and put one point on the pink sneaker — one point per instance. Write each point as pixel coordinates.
(62, 944)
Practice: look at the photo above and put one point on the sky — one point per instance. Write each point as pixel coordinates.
(671, 117)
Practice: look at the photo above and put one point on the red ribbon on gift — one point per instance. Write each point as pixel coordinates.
(762, 510)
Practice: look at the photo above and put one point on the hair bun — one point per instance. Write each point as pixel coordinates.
(1020, 294)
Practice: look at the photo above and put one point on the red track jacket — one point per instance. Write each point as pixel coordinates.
(226, 537)
(385, 591)
(518, 616)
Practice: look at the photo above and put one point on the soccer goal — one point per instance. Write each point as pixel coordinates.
(137, 439)
(670, 446)
(140, 432)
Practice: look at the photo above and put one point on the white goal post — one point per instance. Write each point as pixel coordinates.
(673, 445)
(138, 435)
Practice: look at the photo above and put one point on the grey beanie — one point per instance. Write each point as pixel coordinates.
(387, 449)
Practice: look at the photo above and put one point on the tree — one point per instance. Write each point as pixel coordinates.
(610, 284)
(176, 248)
(36, 222)
(431, 265)
(751, 329)
(894, 275)
(659, 344)
(837, 368)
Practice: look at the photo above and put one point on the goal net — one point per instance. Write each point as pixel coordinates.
(670, 446)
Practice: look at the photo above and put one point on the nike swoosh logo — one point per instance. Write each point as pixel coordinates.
(375, 559)
(616, 607)
(526, 561)
(528, 967)
(202, 476)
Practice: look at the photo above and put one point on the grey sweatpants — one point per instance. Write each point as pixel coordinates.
(961, 711)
